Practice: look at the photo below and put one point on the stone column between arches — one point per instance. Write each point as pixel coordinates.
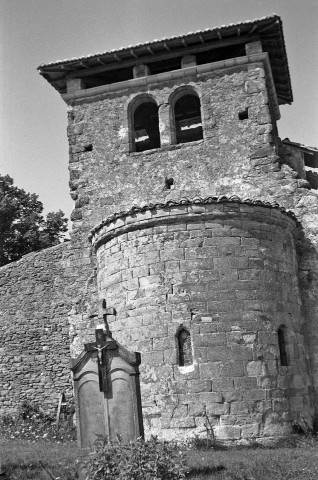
(226, 271)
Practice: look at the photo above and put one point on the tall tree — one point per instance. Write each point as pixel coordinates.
(23, 229)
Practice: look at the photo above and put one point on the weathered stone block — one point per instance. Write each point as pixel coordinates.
(241, 352)
(165, 343)
(233, 395)
(176, 423)
(217, 409)
(190, 372)
(250, 431)
(196, 386)
(178, 387)
(234, 368)
(207, 327)
(277, 429)
(239, 408)
(242, 419)
(210, 370)
(218, 353)
(255, 394)
(230, 263)
(211, 340)
(167, 254)
(196, 410)
(200, 252)
(255, 368)
(227, 432)
(222, 384)
(199, 264)
(296, 404)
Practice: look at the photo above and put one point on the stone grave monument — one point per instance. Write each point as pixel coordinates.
(107, 391)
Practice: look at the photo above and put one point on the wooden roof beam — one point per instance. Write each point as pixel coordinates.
(252, 29)
(65, 68)
(163, 56)
(268, 27)
(133, 53)
(55, 69)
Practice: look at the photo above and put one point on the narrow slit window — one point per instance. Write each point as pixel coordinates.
(188, 122)
(184, 348)
(146, 127)
(282, 347)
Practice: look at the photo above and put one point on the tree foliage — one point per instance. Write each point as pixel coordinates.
(23, 229)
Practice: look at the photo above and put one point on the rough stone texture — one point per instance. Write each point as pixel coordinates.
(109, 179)
(236, 157)
(39, 296)
(228, 273)
(216, 277)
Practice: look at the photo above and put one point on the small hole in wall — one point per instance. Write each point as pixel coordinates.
(243, 115)
(88, 148)
(168, 183)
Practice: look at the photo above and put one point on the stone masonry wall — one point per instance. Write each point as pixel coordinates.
(107, 178)
(228, 273)
(235, 158)
(39, 296)
(50, 298)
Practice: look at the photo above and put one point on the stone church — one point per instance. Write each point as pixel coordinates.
(196, 223)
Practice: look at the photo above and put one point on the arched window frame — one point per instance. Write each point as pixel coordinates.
(282, 339)
(181, 360)
(133, 105)
(174, 97)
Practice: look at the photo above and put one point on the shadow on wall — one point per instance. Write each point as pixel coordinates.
(308, 282)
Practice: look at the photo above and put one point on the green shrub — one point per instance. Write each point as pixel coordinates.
(137, 460)
(30, 411)
(31, 423)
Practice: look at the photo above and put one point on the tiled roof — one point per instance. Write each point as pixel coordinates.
(310, 154)
(300, 145)
(154, 42)
(267, 29)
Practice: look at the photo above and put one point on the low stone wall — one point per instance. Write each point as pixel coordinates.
(37, 297)
(227, 272)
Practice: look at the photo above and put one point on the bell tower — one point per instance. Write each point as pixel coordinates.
(176, 174)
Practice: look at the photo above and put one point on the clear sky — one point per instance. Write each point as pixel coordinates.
(33, 146)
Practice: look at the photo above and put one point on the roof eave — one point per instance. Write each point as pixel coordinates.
(269, 29)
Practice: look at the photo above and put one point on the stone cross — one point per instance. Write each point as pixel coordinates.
(102, 345)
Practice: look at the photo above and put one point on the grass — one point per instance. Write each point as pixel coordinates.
(33, 448)
(38, 460)
(47, 460)
(298, 462)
